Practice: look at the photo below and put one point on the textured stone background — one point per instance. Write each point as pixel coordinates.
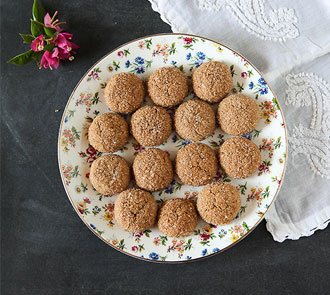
(46, 249)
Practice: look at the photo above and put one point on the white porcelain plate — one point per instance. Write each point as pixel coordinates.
(142, 57)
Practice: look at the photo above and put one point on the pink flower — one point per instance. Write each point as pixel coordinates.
(187, 40)
(120, 53)
(244, 75)
(141, 44)
(87, 200)
(62, 42)
(38, 43)
(52, 23)
(49, 59)
(156, 241)
(135, 249)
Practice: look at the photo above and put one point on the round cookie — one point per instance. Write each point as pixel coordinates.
(153, 169)
(124, 93)
(196, 164)
(151, 125)
(238, 114)
(177, 218)
(218, 203)
(194, 120)
(108, 133)
(110, 174)
(135, 210)
(212, 81)
(239, 157)
(167, 86)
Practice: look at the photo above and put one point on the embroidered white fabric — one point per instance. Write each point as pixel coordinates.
(289, 42)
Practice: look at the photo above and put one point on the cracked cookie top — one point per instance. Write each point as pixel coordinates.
(110, 174)
(124, 93)
(218, 203)
(212, 81)
(151, 125)
(196, 164)
(167, 86)
(135, 210)
(153, 169)
(177, 218)
(108, 133)
(194, 120)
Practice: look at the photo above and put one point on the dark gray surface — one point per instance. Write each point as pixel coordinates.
(46, 249)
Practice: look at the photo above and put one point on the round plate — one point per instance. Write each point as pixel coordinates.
(142, 57)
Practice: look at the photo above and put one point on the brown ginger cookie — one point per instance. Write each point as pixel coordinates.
(110, 174)
(212, 81)
(238, 114)
(218, 203)
(153, 169)
(167, 86)
(239, 157)
(194, 120)
(135, 210)
(151, 125)
(124, 93)
(177, 218)
(196, 164)
(108, 133)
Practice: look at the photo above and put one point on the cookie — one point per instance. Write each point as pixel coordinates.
(110, 174)
(135, 210)
(194, 120)
(167, 86)
(151, 125)
(239, 157)
(124, 93)
(177, 218)
(218, 203)
(238, 114)
(108, 133)
(212, 81)
(153, 169)
(196, 164)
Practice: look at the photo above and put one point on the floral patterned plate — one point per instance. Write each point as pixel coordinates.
(75, 155)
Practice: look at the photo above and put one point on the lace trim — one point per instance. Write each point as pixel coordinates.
(277, 26)
(307, 89)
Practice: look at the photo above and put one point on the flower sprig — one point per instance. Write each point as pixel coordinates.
(49, 44)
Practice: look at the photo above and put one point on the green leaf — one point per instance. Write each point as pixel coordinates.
(37, 28)
(38, 12)
(37, 57)
(27, 38)
(22, 59)
(50, 32)
(49, 47)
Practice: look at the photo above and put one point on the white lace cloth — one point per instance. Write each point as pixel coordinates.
(289, 42)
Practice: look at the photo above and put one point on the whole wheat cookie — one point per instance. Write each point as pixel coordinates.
(238, 114)
(110, 174)
(151, 125)
(167, 86)
(153, 169)
(135, 210)
(239, 157)
(177, 218)
(194, 120)
(124, 93)
(218, 203)
(196, 164)
(108, 132)
(212, 81)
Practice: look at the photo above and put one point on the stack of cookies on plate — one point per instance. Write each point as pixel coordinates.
(196, 164)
